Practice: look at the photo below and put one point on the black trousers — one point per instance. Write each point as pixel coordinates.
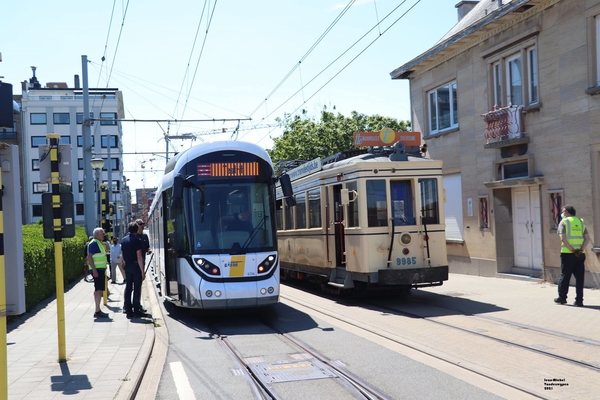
(571, 265)
(133, 285)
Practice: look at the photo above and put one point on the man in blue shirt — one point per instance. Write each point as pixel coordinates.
(131, 246)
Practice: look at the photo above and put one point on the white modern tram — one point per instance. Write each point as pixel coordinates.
(365, 220)
(212, 228)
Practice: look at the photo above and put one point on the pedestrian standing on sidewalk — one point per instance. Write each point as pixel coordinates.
(131, 246)
(87, 272)
(97, 262)
(574, 238)
(116, 257)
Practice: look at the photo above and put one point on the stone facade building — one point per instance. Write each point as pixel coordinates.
(508, 100)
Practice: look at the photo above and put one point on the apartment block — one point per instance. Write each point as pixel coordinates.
(57, 108)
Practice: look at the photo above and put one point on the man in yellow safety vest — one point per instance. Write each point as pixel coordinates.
(574, 238)
(97, 262)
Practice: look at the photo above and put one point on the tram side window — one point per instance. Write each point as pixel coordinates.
(429, 201)
(314, 208)
(279, 214)
(289, 217)
(301, 211)
(377, 214)
(402, 203)
(353, 206)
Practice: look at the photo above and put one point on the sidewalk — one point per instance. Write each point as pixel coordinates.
(106, 358)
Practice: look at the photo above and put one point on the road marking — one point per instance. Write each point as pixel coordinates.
(184, 390)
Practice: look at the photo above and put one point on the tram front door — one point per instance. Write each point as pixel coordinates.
(337, 224)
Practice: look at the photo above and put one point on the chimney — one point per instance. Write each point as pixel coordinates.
(77, 82)
(464, 7)
(33, 81)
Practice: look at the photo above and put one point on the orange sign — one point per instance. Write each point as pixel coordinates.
(387, 137)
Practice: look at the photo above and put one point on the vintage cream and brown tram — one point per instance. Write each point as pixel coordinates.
(365, 220)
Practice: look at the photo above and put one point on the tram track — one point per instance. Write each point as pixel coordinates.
(262, 381)
(579, 340)
(441, 354)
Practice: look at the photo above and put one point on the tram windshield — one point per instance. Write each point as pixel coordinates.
(231, 218)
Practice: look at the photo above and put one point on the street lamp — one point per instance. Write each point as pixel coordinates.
(120, 207)
(97, 164)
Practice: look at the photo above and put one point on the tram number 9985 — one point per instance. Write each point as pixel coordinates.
(406, 261)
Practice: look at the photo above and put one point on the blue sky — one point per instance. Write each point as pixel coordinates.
(160, 55)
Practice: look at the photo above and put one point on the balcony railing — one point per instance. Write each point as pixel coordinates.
(504, 124)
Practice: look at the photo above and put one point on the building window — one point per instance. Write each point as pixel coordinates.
(40, 187)
(64, 140)
(116, 186)
(80, 141)
(37, 118)
(114, 162)
(515, 78)
(79, 118)
(62, 118)
(37, 210)
(35, 164)
(484, 213)
(556, 203)
(443, 108)
(108, 118)
(533, 75)
(79, 209)
(515, 170)
(37, 141)
(113, 141)
(80, 164)
(497, 85)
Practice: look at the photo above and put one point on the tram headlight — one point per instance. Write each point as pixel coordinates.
(207, 267)
(270, 289)
(263, 291)
(405, 251)
(405, 239)
(217, 293)
(266, 264)
(208, 293)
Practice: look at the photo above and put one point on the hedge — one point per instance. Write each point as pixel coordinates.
(38, 259)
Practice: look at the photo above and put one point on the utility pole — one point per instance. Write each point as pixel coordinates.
(86, 132)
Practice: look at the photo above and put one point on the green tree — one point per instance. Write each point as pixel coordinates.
(305, 138)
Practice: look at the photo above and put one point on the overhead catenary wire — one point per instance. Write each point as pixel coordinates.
(187, 68)
(112, 13)
(314, 45)
(199, 58)
(150, 86)
(344, 67)
(118, 41)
